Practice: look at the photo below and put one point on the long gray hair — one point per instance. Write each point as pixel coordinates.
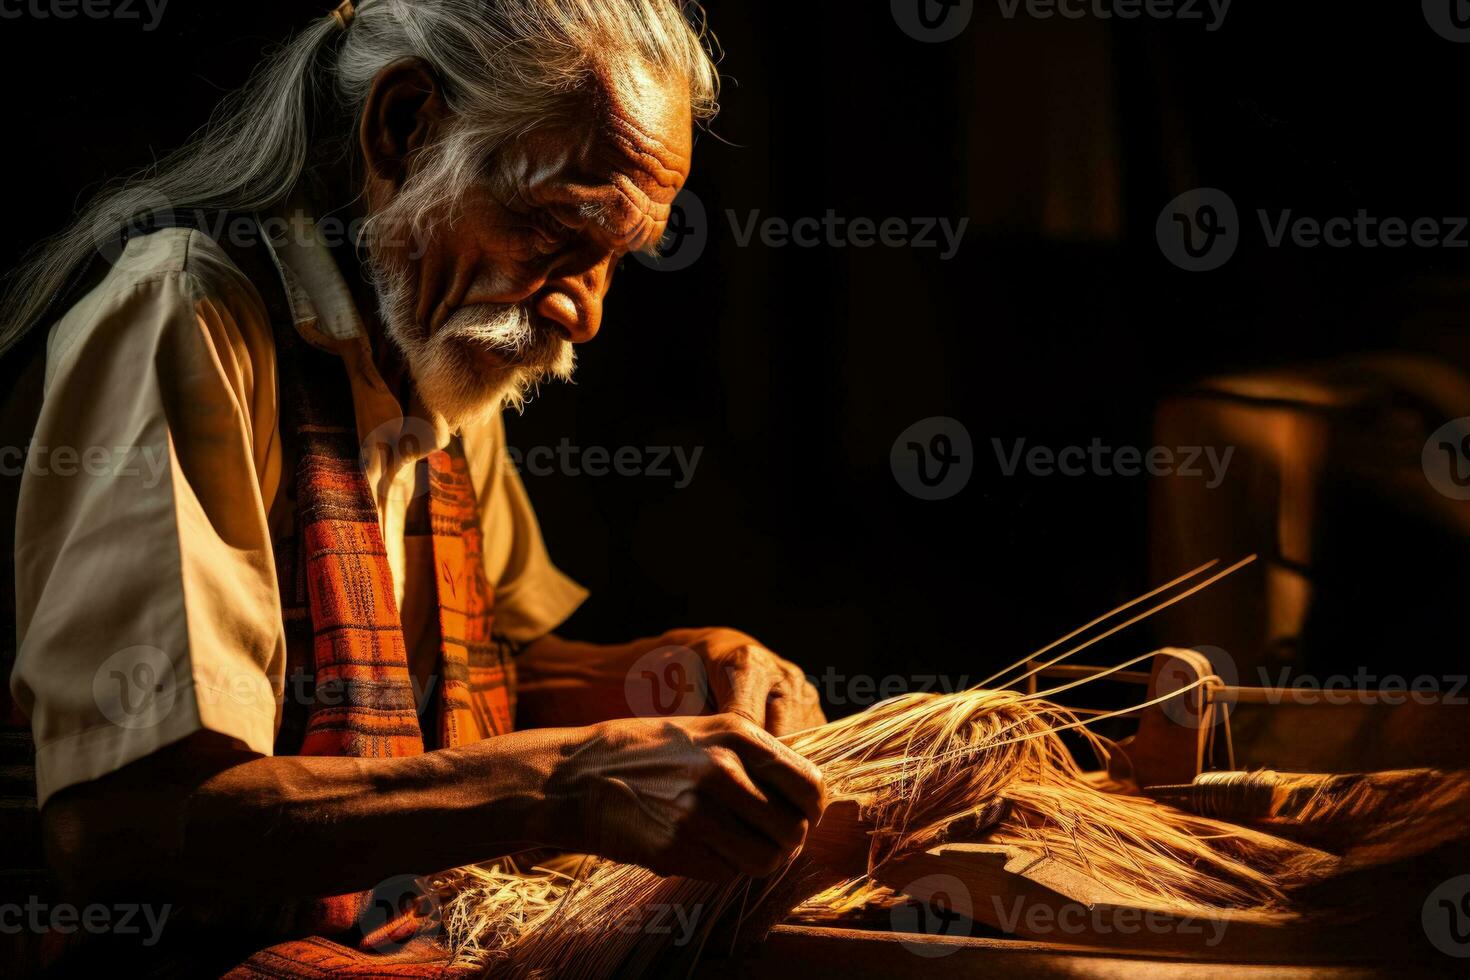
(505, 65)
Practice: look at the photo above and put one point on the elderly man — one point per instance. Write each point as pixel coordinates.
(299, 638)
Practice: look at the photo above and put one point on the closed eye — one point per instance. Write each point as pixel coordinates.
(551, 233)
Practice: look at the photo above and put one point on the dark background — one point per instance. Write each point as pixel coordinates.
(796, 369)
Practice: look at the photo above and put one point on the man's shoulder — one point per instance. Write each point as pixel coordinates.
(171, 252)
(163, 278)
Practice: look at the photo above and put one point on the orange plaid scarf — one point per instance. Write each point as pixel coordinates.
(346, 650)
(342, 626)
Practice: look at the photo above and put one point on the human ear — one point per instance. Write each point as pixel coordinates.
(404, 110)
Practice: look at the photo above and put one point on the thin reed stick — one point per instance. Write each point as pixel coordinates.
(991, 680)
(1135, 619)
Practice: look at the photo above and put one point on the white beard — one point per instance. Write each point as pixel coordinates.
(451, 380)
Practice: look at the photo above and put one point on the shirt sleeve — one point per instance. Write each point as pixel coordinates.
(532, 596)
(147, 605)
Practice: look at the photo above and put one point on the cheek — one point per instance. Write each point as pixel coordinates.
(499, 243)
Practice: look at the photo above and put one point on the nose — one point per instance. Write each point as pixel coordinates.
(574, 302)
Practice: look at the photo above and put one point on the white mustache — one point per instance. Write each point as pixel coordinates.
(505, 328)
(453, 384)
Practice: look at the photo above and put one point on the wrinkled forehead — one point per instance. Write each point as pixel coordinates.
(633, 133)
(647, 117)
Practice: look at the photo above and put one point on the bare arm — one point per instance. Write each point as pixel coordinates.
(704, 797)
(566, 682)
(205, 811)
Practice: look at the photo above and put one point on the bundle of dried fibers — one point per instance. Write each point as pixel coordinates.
(920, 769)
(986, 764)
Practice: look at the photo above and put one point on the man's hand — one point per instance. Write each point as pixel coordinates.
(748, 680)
(705, 797)
(563, 683)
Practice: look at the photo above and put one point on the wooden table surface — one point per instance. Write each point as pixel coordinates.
(814, 953)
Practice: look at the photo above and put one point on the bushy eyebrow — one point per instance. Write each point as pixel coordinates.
(598, 214)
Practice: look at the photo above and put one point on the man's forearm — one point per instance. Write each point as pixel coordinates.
(564, 682)
(300, 826)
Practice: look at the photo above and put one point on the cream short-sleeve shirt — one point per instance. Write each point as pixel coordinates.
(147, 604)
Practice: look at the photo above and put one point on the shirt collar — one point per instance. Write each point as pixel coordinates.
(327, 317)
(321, 303)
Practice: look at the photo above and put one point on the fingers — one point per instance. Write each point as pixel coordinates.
(782, 824)
(793, 706)
(751, 682)
(698, 860)
(782, 714)
(747, 708)
(775, 767)
(736, 843)
(742, 681)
